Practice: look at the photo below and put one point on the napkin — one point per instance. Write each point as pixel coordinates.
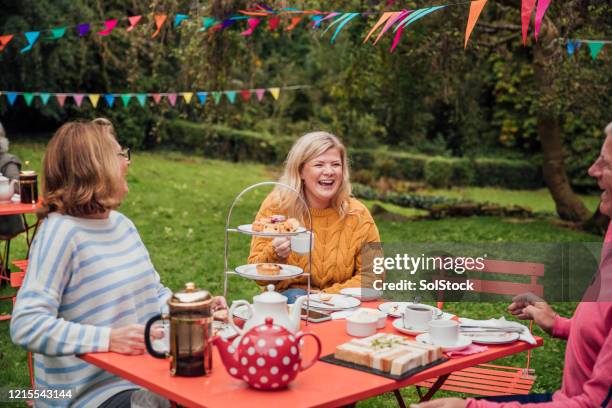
(472, 349)
(501, 323)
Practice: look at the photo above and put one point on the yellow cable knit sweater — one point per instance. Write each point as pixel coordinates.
(336, 260)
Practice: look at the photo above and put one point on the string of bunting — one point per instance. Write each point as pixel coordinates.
(291, 18)
(173, 97)
(595, 46)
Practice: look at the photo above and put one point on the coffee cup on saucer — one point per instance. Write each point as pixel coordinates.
(300, 243)
(444, 332)
(417, 317)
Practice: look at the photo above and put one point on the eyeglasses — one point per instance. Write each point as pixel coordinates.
(126, 152)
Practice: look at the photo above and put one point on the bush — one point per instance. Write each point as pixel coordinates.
(463, 172)
(513, 174)
(439, 173)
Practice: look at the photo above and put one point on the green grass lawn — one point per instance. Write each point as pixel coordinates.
(180, 203)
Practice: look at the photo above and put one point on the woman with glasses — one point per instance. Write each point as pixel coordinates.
(90, 284)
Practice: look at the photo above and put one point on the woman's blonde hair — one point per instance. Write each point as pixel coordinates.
(306, 148)
(81, 170)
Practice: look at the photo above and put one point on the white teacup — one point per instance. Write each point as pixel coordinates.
(417, 317)
(444, 332)
(300, 243)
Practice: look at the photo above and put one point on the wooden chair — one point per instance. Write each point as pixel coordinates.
(491, 379)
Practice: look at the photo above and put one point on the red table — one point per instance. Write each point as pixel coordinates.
(323, 385)
(30, 229)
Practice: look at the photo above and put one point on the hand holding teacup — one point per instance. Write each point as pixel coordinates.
(282, 246)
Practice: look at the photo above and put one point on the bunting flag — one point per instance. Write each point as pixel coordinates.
(217, 97)
(386, 16)
(159, 22)
(231, 96)
(294, 22)
(207, 22)
(28, 97)
(527, 7)
(44, 97)
(179, 18)
(202, 97)
(110, 100)
(57, 33)
(540, 11)
(475, 10)
(125, 98)
(252, 22)
(273, 23)
(187, 96)
(157, 98)
(61, 99)
(12, 96)
(78, 98)
(395, 17)
(595, 47)
(4, 40)
(141, 98)
(275, 92)
(94, 99)
(246, 95)
(341, 26)
(134, 20)
(32, 37)
(260, 94)
(172, 99)
(110, 26)
(83, 29)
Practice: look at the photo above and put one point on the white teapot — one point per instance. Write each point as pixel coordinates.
(269, 304)
(6, 189)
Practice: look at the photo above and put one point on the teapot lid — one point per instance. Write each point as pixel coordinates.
(190, 297)
(270, 296)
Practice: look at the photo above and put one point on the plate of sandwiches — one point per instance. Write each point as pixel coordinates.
(268, 271)
(276, 225)
(386, 354)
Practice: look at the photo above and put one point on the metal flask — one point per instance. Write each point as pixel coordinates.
(190, 317)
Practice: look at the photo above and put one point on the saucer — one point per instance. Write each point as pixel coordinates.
(398, 324)
(462, 342)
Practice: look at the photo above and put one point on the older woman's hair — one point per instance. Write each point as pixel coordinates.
(81, 170)
(4, 142)
(306, 148)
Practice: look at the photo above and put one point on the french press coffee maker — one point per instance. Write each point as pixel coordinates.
(190, 316)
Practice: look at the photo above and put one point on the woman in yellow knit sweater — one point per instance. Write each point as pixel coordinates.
(317, 167)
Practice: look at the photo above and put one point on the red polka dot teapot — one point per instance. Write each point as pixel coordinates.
(267, 357)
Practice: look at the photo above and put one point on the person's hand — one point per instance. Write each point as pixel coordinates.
(130, 339)
(530, 307)
(442, 403)
(282, 246)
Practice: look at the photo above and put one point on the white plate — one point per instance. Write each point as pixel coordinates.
(363, 294)
(248, 229)
(462, 342)
(491, 338)
(242, 312)
(249, 271)
(338, 302)
(224, 330)
(396, 309)
(398, 324)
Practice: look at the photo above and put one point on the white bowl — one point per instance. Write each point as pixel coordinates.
(382, 317)
(363, 325)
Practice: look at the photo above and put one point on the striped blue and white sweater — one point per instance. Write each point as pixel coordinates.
(84, 277)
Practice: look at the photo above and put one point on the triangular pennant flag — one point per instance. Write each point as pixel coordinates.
(260, 94)
(273, 23)
(217, 97)
(57, 33)
(11, 96)
(78, 98)
(475, 10)
(202, 97)
(94, 98)
(540, 11)
(83, 29)
(327, 17)
(252, 22)
(142, 98)
(172, 99)
(61, 99)
(125, 98)
(110, 99)
(44, 97)
(571, 47)
(381, 20)
(336, 21)
(417, 15)
(32, 37)
(110, 26)
(134, 20)
(275, 92)
(341, 26)
(187, 96)
(316, 20)
(160, 19)
(156, 97)
(246, 94)
(294, 22)
(231, 96)
(595, 47)
(28, 97)
(179, 18)
(207, 22)
(527, 7)
(394, 19)
(4, 40)
(396, 38)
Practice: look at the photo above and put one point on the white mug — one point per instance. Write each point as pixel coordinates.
(300, 243)
(417, 317)
(444, 332)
